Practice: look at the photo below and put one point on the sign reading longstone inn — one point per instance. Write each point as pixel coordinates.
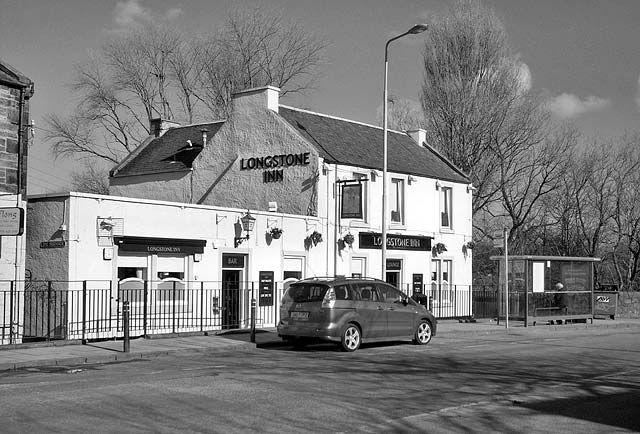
(373, 240)
(273, 163)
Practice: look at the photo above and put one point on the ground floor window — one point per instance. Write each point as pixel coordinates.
(441, 279)
(293, 267)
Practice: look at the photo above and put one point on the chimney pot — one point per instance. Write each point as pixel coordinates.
(204, 132)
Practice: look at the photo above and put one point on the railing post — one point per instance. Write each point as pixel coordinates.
(201, 306)
(49, 310)
(144, 313)
(10, 313)
(125, 324)
(173, 308)
(253, 313)
(84, 311)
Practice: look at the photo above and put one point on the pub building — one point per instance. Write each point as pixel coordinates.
(243, 205)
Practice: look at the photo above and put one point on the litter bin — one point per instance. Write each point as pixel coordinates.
(605, 303)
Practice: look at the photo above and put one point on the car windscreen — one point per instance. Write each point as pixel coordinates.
(307, 292)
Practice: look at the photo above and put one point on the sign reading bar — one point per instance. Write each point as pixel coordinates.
(373, 240)
(229, 260)
(11, 221)
(266, 288)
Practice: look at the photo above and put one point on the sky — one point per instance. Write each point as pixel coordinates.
(583, 56)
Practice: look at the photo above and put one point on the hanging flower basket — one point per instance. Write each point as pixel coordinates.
(348, 239)
(438, 249)
(275, 232)
(315, 238)
(470, 245)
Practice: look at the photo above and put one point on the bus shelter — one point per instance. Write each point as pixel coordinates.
(547, 289)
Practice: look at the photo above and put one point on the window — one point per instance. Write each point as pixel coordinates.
(365, 195)
(445, 207)
(293, 267)
(441, 280)
(391, 295)
(396, 201)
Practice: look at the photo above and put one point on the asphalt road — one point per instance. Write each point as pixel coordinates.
(575, 381)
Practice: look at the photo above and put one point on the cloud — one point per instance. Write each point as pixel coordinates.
(131, 13)
(567, 105)
(173, 13)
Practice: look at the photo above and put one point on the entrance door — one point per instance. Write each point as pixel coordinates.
(230, 299)
(393, 278)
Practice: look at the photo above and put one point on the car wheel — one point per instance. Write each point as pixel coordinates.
(350, 338)
(423, 333)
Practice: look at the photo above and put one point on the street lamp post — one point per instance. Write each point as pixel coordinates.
(418, 28)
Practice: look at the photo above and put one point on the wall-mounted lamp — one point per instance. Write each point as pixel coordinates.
(374, 174)
(412, 179)
(248, 221)
(438, 185)
(470, 188)
(273, 206)
(219, 218)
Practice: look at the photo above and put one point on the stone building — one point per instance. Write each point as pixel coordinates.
(15, 92)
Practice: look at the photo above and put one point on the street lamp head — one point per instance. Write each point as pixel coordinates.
(418, 28)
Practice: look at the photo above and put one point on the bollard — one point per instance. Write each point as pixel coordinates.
(125, 324)
(253, 321)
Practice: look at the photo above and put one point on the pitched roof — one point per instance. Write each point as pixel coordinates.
(356, 144)
(170, 152)
(337, 141)
(12, 77)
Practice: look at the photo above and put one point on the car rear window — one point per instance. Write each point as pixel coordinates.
(307, 292)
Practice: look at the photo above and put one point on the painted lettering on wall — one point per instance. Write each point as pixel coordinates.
(271, 163)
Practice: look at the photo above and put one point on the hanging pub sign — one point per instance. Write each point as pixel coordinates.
(351, 204)
(265, 295)
(373, 240)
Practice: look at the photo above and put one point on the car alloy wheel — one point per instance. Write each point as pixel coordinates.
(350, 338)
(423, 333)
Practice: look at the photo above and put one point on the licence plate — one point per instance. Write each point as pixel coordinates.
(300, 315)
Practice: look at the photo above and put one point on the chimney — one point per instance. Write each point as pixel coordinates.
(259, 97)
(159, 126)
(418, 135)
(204, 132)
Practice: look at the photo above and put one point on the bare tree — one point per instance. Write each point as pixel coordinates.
(626, 243)
(473, 97)
(154, 71)
(404, 114)
(257, 48)
(91, 180)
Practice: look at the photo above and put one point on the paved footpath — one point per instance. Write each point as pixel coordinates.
(64, 353)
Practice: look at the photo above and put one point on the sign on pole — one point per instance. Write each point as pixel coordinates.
(498, 240)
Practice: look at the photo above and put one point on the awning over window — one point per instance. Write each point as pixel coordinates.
(159, 245)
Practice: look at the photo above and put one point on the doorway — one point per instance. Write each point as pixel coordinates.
(231, 299)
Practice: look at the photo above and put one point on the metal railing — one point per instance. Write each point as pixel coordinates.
(69, 310)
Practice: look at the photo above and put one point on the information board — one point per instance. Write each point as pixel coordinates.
(265, 296)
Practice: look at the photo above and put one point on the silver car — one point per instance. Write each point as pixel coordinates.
(350, 311)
